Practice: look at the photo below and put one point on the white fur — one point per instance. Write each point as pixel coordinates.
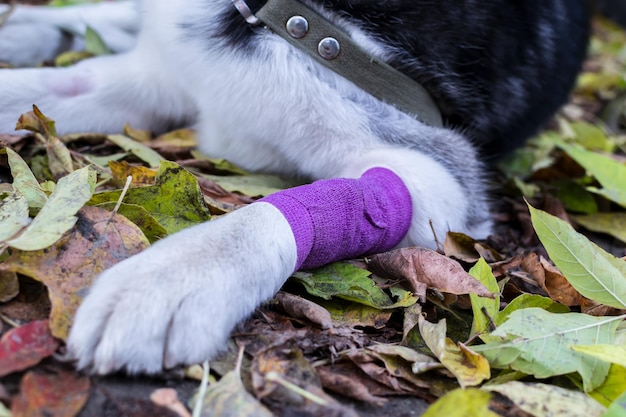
(35, 34)
(178, 301)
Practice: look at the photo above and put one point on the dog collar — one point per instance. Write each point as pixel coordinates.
(310, 32)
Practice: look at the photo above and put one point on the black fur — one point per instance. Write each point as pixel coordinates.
(498, 69)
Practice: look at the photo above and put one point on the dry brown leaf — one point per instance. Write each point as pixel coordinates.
(460, 246)
(302, 308)
(551, 280)
(346, 379)
(424, 268)
(69, 266)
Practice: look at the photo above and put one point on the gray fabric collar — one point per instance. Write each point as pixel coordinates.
(310, 32)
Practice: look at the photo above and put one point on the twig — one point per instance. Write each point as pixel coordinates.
(129, 181)
(197, 407)
(276, 378)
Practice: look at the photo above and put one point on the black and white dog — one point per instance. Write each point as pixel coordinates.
(497, 70)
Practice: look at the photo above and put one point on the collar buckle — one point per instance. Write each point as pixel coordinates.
(245, 11)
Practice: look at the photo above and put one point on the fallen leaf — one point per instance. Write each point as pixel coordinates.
(141, 151)
(141, 218)
(608, 353)
(548, 400)
(348, 282)
(349, 381)
(552, 280)
(59, 157)
(355, 314)
(609, 172)
(299, 307)
(595, 273)
(58, 215)
(69, 266)
(13, 214)
(94, 43)
(613, 224)
(485, 309)
(528, 301)
(175, 201)
(612, 387)
(252, 185)
(469, 367)
(25, 346)
(538, 343)
(618, 408)
(424, 268)
(460, 246)
(24, 180)
(37, 122)
(58, 394)
(140, 174)
(462, 403)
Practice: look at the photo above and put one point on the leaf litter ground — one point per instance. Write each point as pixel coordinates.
(387, 335)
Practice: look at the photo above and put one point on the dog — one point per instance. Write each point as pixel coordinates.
(493, 72)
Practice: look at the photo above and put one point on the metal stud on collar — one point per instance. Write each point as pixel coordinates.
(297, 26)
(329, 48)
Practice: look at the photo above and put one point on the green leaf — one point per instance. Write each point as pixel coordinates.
(575, 197)
(58, 215)
(13, 214)
(538, 342)
(548, 400)
(613, 224)
(141, 218)
(141, 151)
(462, 403)
(252, 185)
(609, 173)
(24, 180)
(94, 43)
(469, 367)
(607, 353)
(612, 388)
(595, 273)
(59, 157)
(618, 408)
(175, 201)
(592, 137)
(528, 301)
(485, 309)
(350, 283)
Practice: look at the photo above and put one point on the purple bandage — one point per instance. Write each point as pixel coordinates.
(346, 218)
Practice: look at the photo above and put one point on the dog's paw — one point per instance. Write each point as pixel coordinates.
(28, 44)
(30, 35)
(177, 302)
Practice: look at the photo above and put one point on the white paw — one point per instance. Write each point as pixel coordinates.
(34, 34)
(30, 44)
(177, 302)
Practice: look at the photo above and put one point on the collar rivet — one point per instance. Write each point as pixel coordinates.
(329, 48)
(297, 27)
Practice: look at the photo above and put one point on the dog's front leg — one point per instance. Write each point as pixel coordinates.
(178, 301)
